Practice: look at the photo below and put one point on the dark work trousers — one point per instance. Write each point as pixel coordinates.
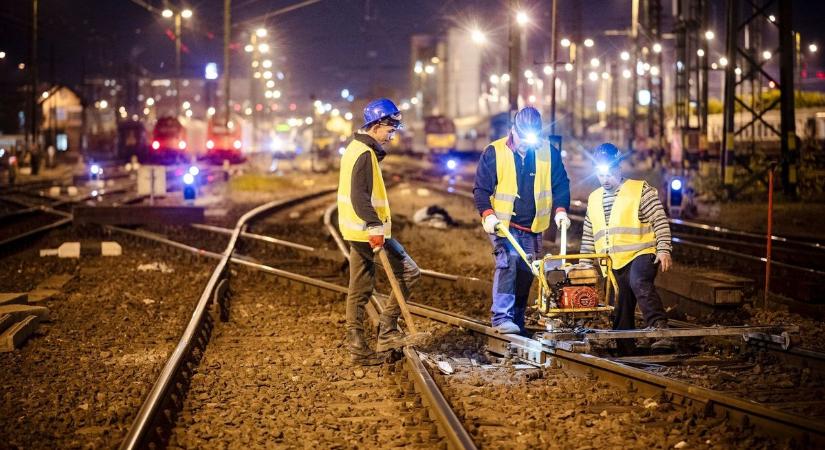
(362, 279)
(635, 282)
(512, 278)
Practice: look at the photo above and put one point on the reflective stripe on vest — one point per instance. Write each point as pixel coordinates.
(352, 227)
(506, 191)
(625, 237)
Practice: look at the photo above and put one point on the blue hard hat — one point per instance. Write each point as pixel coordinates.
(606, 153)
(380, 109)
(527, 122)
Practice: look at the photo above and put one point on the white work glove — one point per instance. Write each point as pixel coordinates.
(489, 223)
(562, 220)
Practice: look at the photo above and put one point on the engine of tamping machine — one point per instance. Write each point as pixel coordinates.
(572, 295)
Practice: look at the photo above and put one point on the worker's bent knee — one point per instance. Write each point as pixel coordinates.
(412, 273)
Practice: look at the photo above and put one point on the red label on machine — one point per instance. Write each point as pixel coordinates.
(579, 297)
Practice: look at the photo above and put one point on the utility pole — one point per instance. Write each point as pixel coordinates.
(514, 58)
(33, 73)
(177, 63)
(227, 30)
(727, 158)
(790, 152)
(634, 37)
(553, 57)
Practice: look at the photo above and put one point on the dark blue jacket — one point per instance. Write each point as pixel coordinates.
(525, 204)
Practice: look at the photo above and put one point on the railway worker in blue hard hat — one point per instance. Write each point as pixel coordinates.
(521, 184)
(626, 219)
(365, 222)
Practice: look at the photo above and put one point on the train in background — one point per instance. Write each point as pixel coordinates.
(810, 127)
(224, 141)
(169, 144)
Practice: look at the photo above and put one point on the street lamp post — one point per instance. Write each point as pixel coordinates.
(176, 17)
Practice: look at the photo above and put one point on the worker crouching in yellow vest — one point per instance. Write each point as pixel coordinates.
(364, 219)
(626, 219)
(520, 184)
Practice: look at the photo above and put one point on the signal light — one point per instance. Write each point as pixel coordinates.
(675, 193)
(531, 138)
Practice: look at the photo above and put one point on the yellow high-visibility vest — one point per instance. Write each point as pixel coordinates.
(506, 191)
(625, 237)
(352, 227)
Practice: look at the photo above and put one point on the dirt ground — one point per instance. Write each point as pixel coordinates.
(79, 381)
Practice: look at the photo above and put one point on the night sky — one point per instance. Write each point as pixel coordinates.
(322, 48)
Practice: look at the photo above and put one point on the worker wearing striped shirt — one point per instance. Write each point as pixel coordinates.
(626, 220)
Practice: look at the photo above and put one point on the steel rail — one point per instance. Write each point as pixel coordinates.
(449, 424)
(778, 422)
(259, 237)
(156, 415)
(716, 248)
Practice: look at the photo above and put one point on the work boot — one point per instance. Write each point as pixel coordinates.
(391, 338)
(662, 345)
(360, 352)
(507, 327)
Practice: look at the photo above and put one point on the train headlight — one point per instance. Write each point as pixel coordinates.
(237, 144)
(210, 144)
(155, 145)
(451, 164)
(188, 179)
(194, 171)
(602, 169)
(95, 169)
(182, 145)
(531, 139)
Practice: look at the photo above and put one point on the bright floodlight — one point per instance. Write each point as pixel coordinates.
(194, 170)
(531, 138)
(167, 13)
(588, 42)
(601, 106)
(344, 93)
(603, 169)
(657, 47)
(766, 55)
(522, 18)
(451, 164)
(709, 35)
(188, 178)
(812, 48)
(700, 52)
(676, 184)
(594, 62)
(723, 61)
(565, 42)
(644, 97)
(625, 56)
(94, 169)
(186, 13)
(260, 32)
(263, 48)
(478, 36)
